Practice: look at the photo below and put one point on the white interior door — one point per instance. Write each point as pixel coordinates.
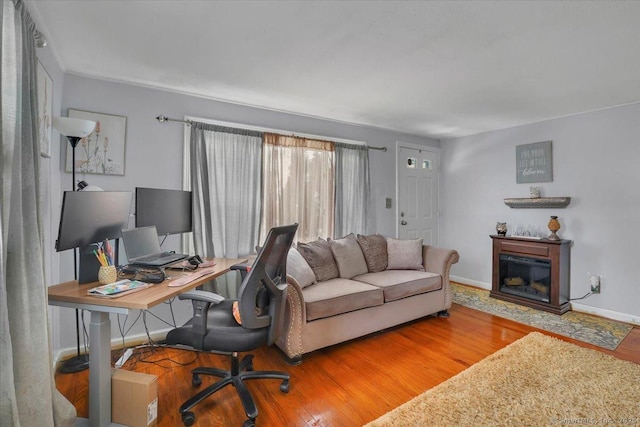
(418, 186)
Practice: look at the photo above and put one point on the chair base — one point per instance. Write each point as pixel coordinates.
(240, 371)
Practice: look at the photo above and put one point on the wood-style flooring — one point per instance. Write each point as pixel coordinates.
(345, 385)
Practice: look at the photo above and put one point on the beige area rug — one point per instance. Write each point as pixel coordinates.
(535, 381)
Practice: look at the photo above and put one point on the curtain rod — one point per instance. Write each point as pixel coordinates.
(163, 119)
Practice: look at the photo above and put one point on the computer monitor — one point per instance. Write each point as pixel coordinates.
(92, 216)
(169, 210)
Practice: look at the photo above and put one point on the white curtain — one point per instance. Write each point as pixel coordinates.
(28, 396)
(352, 190)
(298, 182)
(224, 169)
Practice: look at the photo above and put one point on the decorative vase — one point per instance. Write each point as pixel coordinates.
(501, 228)
(554, 225)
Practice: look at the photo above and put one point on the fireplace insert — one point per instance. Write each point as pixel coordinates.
(526, 277)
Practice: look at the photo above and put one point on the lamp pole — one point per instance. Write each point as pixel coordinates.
(74, 129)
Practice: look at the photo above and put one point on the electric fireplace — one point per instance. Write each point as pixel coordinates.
(532, 272)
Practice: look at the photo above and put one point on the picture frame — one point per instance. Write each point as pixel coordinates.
(103, 150)
(45, 109)
(534, 162)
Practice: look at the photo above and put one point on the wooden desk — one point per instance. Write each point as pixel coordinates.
(73, 295)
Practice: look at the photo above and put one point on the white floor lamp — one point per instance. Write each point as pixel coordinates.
(74, 129)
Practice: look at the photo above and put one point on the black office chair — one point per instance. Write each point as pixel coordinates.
(261, 303)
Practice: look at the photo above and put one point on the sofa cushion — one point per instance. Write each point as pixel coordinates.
(404, 254)
(374, 249)
(299, 269)
(398, 284)
(348, 256)
(337, 296)
(320, 258)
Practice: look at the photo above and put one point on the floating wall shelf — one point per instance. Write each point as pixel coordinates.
(539, 202)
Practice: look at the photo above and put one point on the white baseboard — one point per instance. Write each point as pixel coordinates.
(609, 314)
(116, 343)
(474, 283)
(582, 308)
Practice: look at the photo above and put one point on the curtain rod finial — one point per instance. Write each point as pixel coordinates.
(161, 118)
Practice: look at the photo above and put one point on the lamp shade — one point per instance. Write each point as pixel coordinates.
(71, 126)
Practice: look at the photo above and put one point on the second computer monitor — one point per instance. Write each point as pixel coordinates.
(169, 210)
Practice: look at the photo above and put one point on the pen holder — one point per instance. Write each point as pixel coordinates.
(107, 274)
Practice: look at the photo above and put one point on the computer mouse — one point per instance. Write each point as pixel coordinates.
(195, 260)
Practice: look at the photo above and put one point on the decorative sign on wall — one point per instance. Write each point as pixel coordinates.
(534, 162)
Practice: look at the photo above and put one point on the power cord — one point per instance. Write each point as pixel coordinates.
(588, 294)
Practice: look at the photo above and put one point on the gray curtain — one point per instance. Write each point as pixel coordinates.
(353, 197)
(28, 396)
(225, 168)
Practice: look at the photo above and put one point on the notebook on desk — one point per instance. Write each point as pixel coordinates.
(143, 248)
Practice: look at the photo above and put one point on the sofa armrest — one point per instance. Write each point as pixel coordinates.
(290, 340)
(439, 261)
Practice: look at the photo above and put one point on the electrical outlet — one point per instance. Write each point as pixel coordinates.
(594, 281)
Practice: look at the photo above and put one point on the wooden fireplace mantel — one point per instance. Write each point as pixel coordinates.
(555, 251)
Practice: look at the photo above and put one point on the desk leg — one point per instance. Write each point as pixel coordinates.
(100, 370)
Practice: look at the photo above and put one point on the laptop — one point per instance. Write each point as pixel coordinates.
(143, 248)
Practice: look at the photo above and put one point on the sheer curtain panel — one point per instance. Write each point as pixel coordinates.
(225, 167)
(27, 387)
(352, 190)
(298, 185)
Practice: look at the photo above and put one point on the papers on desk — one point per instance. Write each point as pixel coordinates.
(117, 289)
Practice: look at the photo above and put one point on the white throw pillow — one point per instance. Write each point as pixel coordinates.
(404, 254)
(299, 269)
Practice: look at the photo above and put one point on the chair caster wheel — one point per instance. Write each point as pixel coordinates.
(196, 380)
(188, 418)
(284, 387)
(249, 423)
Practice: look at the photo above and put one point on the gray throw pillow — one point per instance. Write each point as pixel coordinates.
(404, 254)
(348, 256)
(320, 258)
(299, 269)
(374, 249)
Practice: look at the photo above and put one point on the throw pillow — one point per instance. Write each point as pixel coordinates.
(320, 258)
(348, 256)
(374, 249)
(404, 254)
(298, 268)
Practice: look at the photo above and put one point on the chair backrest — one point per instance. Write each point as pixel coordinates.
(262, 294)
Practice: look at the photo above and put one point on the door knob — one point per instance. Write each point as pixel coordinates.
(403, 222)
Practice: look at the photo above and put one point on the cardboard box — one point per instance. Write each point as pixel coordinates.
(134, 398)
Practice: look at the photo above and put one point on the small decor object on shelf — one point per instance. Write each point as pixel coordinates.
(501, 228)
(535, 192)
(554, 225)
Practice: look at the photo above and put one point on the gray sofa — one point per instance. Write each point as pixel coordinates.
(350, 287)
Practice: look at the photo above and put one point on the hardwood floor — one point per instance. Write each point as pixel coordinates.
(346, 385)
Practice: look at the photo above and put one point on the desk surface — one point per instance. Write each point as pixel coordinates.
(74, 293)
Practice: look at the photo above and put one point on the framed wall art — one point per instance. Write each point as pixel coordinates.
(103, 150)
(45, 107)
(534, 162)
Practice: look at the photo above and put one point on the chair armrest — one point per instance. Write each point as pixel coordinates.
(245, 266)
(201, 301)
(205, 296)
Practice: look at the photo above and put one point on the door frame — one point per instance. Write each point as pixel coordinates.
(410, 145)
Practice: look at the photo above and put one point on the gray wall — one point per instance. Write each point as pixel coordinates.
(595, 162)
(154, 158)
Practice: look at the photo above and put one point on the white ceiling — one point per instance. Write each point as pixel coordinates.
(440, 69)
